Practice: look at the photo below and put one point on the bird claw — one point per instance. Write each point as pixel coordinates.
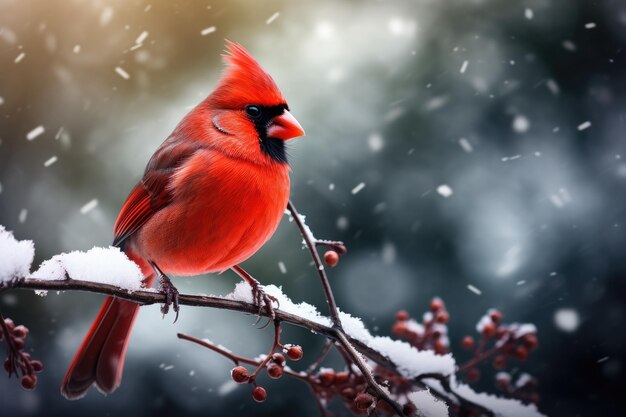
(171, 296)
(264, 300)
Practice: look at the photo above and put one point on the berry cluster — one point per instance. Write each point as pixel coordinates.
(273, 364)
(350, 387)
(431, 333)
(522, 388)
(17, 361)
(502, 343)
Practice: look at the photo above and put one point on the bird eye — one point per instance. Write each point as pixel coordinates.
(253, 111)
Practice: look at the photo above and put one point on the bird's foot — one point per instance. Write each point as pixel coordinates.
(263, 300)
(171, 295)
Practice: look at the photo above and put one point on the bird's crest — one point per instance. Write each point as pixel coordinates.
(245, 82)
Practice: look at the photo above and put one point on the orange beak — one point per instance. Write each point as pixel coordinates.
(284, 127)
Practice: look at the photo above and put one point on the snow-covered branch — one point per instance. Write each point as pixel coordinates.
(382, 375)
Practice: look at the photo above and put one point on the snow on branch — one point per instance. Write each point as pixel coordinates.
(416, 376)
(17, 256)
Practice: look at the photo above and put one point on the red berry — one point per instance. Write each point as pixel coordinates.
(331, 258)
(327, 377)
(341, 377)
(521, 353)
(495, 315)
(399, 328)
(9, 324)
(259, 394)
(530, 341)
(20, 331)
(442, 317)
(279, 359)
(502, 381)
(473, 375)
(274, 371)
(29, 382)
(436, 304)
(348, 393)
(239, 374)
(467, 342)
(37, 366)
(489, 330)
(363, 401)
(440, 347)
(402, 315)
(18, 342)
(499, 362)
(294, 352)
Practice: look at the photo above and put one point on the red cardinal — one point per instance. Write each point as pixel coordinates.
(212, 194)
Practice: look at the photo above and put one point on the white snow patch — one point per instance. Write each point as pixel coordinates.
(50, 161)
(522, 330)
(375, 142)
(38, 131)
(102, 265)
(358, 188)
(16, 256)
(463, 67)
(22, 216)
(567, 319)
(444, 190)
(272, 18)
(208, 31)
(501, 407)
(282, 267)
(106, 15)
(521, 124)
(142, 37)
(474, 289)
(428, 405)
(484, 320)
(19, 58)
(528, 14)
(590, 25)
(401, 27)
(92, 204)
(584, 125)
(122, 73)
(343, 223)
(227, 387)
(569, 45)
(553, 86)
(466, 145)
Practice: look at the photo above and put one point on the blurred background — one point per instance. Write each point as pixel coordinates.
(487, 136)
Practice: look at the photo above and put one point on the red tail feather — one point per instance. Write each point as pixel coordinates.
(100, 358)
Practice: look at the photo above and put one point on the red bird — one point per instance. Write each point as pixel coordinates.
(212, 194)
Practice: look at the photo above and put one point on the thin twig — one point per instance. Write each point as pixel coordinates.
(340, 335)
(320, 358)
(236, 358)
(310, 243)
(360, 363)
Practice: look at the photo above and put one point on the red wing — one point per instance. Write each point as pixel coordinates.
(135, 212)
(151, 194)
